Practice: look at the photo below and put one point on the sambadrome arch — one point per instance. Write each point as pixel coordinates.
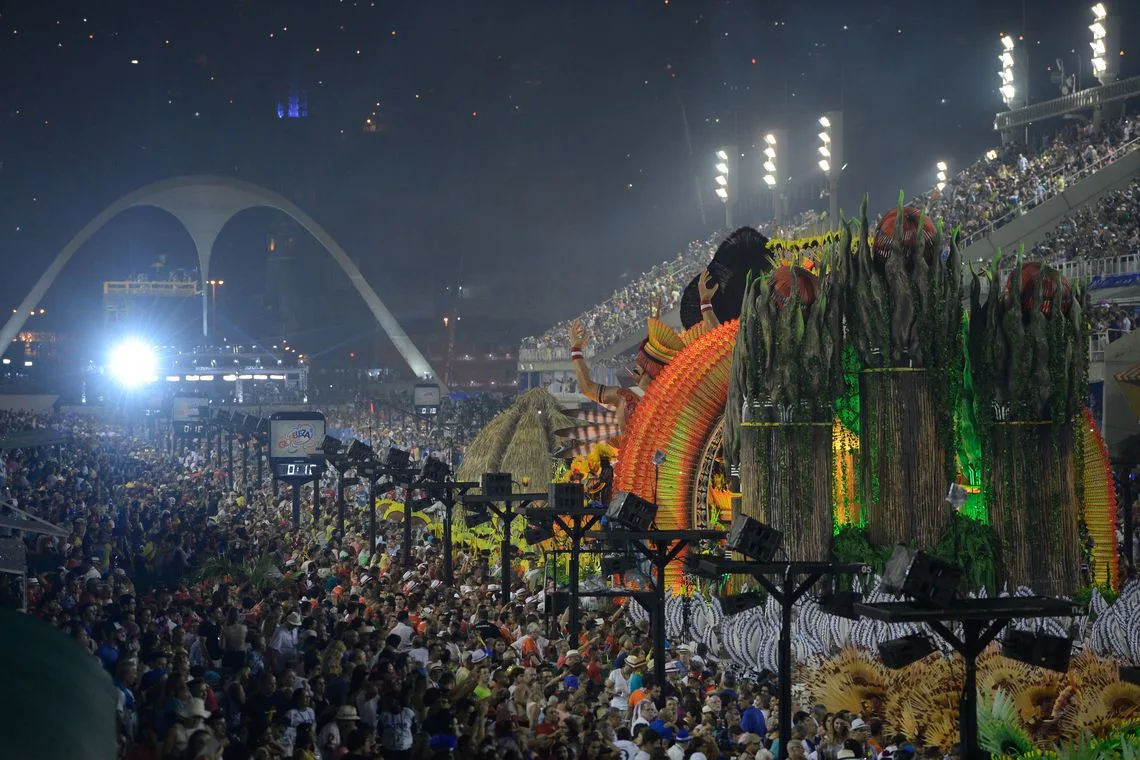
(204, 205)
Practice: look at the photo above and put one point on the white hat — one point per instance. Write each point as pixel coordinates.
(573, 653)
(193, 708)
(858, 723)
(293, 619)
(408, 574)
(698, 756)
(477, 656)
(436, 583)
(365, 578)
(347, 712)
(845, 754)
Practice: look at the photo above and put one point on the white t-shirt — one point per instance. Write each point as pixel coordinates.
(405, 632)
(627, 750)
(620, 699)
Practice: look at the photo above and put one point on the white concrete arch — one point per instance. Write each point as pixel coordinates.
(203, 205)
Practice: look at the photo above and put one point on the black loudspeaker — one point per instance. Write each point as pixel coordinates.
(932, 580)
(753, 538)
(397, 459)
(497, 485)
(536, 534)
(614, 564)
(737, 603)
(841, 604)
(564, 496)
(1040, 649)
(435, 470)
(557, 602)
(630, 511)
(898, 653)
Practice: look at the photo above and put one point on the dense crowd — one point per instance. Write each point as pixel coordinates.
(229, 634)
(392, 421)
(1010, 182)
(1108, 228)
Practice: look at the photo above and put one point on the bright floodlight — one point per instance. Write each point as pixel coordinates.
(770, 139)
(941, 166)
(991, 155)
(825, 165)
(1007, 42)
(722, 155)
(722, 168)
(722, 193)
(825, 122)
(133, 363)
(1099, 13)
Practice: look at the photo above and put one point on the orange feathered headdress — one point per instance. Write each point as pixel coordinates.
(663, 344)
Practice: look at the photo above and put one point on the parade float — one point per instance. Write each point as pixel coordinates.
(859, 393)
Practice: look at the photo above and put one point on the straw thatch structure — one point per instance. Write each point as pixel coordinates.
(519, 441)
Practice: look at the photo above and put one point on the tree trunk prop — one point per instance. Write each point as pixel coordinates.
(902, 458)
(787, 481)
(1034, 509)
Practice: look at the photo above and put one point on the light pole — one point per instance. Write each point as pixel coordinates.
(214, 284)
(725, 185)
(1105, 39)
(774, 172)
(831, 158)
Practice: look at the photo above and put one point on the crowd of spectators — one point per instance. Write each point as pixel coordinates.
(1106, 229)
(339, 652)
(661, 287)
(391, 420)
(1011, 181)
(982, 197)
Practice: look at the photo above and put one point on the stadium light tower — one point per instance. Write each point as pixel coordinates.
(774, 175)
(941, 167)
(1013, 87)
(1105, 44)
(831, 157)
(726, 183)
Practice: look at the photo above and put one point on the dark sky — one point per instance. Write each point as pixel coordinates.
(538, 149)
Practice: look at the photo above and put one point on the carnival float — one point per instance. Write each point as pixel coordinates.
(855, 391)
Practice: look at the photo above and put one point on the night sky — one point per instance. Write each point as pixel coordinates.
(535, 152)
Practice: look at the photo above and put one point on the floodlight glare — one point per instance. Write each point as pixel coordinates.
(823, 151)
(1099, 13)
(825, 122)
(722, 193)
(721, 180)
(824, 164)
(769, 180)
(769, 167)
(941, 166)
(940, 186)
(991, 155)
(824, 137)
(1008, 92)
(770, 139)
(133, 363)
(1007, 42)
(770, 152)
(1098, 47)
(1098, 30)
(722, 168)
(722, 155)
(941, 176)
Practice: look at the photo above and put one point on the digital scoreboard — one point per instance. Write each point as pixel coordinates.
(295, 446)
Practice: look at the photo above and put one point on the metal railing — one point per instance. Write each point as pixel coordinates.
(1077, 101)
(1128, 263)
(1070, 176)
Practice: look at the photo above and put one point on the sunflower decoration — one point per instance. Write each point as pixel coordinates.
(848, 680)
